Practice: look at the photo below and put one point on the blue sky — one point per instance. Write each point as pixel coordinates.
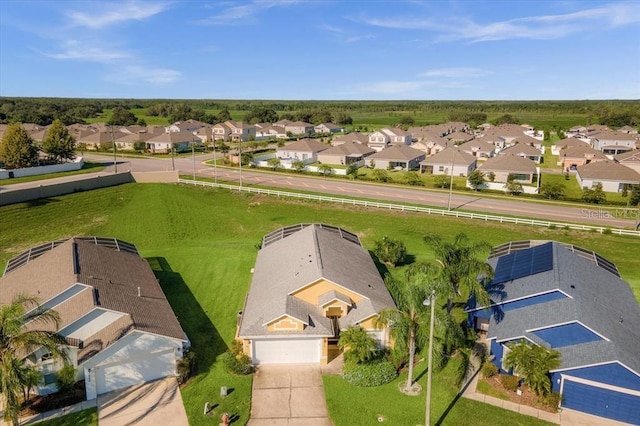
(312, 49)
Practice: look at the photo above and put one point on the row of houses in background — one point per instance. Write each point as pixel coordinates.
(449, 148)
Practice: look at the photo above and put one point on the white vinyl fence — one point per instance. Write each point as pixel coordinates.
(402, 207)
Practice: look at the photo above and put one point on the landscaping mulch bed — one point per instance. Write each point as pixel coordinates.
(527, 398)
(43, 403)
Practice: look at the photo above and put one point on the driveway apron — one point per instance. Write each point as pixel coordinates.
(288, 395)
(149, 404)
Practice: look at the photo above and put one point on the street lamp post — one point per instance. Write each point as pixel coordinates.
(115, 161)
(453, 164)
(215, 161)
(240, 160)
(193, 155)
(432, 303)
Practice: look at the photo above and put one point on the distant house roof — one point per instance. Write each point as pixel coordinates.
(121, 280)
(522, 149)
(398, 153)
(294, 257)
(608, 170)
(583, 150)
(570, 142)
(451, 155)
(609, 135)
(304, 145)
(173, 137)
(99, 137)
(459, 136)
(594, 296)
(477, 145)
(351, 137)
(629, 157)
(349, 148)
(509, 163)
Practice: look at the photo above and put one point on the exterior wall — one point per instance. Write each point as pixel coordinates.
(335, 308)
(502, 176)
(306, 156)
(607, 185)
(369, 324)
(156, 177)
(311, 293)
(458, 170)
(11, 196)
(286, 323)
(331, 159)
(41, 170)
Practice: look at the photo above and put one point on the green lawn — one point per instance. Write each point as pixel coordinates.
(88, 167)
(202, 244)
(353, 405)
(572, 190)
(88, 417)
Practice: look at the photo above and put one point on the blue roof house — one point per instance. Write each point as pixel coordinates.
(572, 300)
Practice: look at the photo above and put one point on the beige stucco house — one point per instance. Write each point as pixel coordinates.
(310, 282)
(502, 166)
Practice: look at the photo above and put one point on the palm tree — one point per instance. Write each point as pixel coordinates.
(533, 363)
(409, 322)
(16, 342)
(358, 345)
(460, 267)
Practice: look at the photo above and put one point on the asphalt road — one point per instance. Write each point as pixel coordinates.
(590, 215)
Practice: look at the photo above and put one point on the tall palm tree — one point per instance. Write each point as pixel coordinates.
(460, 267)
(409, 322)
(17, 341)
(533, 363)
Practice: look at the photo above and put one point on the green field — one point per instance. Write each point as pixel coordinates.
(201, 243)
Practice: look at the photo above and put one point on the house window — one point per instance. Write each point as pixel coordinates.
(441, 168)
(520, 176)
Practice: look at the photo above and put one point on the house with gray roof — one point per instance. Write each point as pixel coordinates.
(305, 150)
(573, 156)
(310, 281)
(345, 154)
(452, 160)
(630, 159)
(613, 176)
(398, 157)
(566, 143)
(356, 137)
(502, 166)
(119, 327)
(178, 141)
(478, 149)
(327, 128)
(572, 300)
(612, 143)
(523, 150)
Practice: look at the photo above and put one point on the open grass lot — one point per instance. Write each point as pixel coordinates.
(201, 243)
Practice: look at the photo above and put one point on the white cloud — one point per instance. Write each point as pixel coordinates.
(135, 74)
(244, 13)
(111, 14)
(344, 35)
(455, 73)
(543, 27)
(74, 50)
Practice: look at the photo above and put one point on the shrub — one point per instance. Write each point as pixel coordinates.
(65, 378)
(552, 400)
(509, 382)
(373, 374)
(186, 366)
(489, 369)
(237, 363)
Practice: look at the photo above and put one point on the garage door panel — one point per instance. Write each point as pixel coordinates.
(287, 351)
(121, 375)
(601, 402)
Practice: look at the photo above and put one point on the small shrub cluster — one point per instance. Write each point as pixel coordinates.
(187, 366)
(510, 383)
(552, 400)
(489, 369)
(66, 378)
(236, 362)
(372, 374)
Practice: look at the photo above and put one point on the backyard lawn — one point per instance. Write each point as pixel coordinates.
(201, 243)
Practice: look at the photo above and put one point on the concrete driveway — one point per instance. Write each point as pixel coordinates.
(150, 404)
(288, 395)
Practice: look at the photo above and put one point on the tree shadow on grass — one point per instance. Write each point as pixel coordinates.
(206, 342)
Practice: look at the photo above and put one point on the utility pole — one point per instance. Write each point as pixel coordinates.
(240, 160)
(215, 161)
(453, 163)
(193, 155)
(115, 161)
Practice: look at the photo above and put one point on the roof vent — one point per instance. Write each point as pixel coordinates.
(138, 291)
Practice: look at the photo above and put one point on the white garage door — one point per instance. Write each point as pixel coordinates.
(128, 373)
(287, 351)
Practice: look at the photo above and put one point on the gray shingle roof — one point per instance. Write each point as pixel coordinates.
(608, 170)
(304, 145)
(301, 258)
(450, 155)
(397, 153)
(509, 163)
(348, 148)
(598, 299)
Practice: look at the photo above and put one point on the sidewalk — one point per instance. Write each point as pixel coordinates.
(59, 412)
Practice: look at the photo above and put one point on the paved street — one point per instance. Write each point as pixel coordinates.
(590, 215)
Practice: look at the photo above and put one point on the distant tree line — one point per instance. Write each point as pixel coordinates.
(43, 111)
